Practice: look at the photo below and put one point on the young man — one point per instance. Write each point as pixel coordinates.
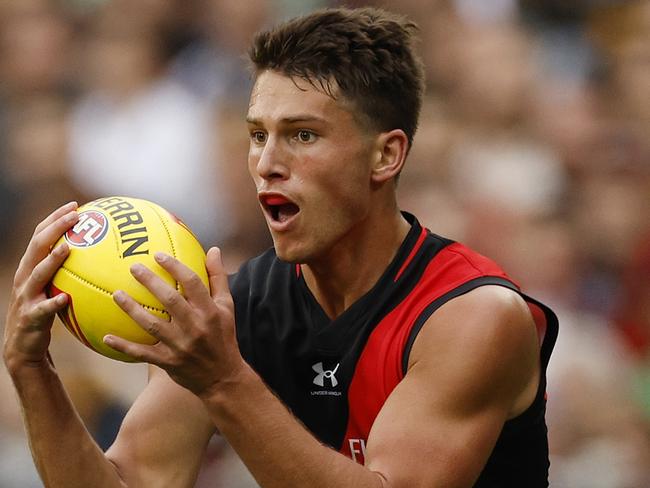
(361, 351)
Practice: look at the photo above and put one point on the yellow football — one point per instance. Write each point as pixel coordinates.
(112, 234)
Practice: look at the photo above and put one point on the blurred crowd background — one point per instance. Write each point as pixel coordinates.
(533, 147)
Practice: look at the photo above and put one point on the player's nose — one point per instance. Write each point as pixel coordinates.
(272, 162)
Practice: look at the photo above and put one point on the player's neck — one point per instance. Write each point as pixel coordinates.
(353, 267)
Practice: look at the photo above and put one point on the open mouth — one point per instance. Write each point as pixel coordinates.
(279, 208)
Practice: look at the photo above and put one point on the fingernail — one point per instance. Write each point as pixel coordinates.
(160, 257)
(118, 296)
(137, 269)
(71, 217)
(61, 249)
(61, 299)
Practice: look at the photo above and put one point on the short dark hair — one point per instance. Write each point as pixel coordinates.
(367, 53)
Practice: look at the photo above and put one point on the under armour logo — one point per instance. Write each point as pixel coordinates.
(322, 374)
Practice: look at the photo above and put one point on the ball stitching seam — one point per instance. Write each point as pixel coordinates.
(103, 290)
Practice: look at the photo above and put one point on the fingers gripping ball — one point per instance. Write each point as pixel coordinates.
(111, 235)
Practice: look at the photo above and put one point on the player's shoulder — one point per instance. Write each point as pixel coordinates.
(480, 348)
(487, 320)
(500, 302)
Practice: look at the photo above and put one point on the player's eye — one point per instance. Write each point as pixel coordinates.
(258, 136)
(306, 136)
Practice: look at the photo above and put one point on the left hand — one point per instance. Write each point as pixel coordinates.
(198, 346)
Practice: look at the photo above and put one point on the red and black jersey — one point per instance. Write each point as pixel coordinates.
(335, 375)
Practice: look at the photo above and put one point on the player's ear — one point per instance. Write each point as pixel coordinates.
(391, 152)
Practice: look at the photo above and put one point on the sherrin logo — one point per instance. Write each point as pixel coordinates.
(91, 228)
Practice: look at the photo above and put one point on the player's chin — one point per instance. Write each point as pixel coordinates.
(286, 253)
(289, 250)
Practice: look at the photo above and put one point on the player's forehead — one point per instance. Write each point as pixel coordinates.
(276, 97)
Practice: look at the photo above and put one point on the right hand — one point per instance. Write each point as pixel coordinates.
(31, 313)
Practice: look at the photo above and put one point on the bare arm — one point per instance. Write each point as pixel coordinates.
(163, 437)
(161, 441)
(64, 452)
(473, 366)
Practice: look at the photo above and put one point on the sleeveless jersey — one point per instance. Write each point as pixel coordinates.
(335, 375)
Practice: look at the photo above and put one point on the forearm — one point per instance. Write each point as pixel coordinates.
(64, 452)
(274, 445)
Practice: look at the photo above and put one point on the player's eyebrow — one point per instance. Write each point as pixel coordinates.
(287, 120)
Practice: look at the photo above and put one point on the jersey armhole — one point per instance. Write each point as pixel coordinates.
(440, 301)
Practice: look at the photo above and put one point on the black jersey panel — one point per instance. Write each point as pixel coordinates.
(277, 339)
